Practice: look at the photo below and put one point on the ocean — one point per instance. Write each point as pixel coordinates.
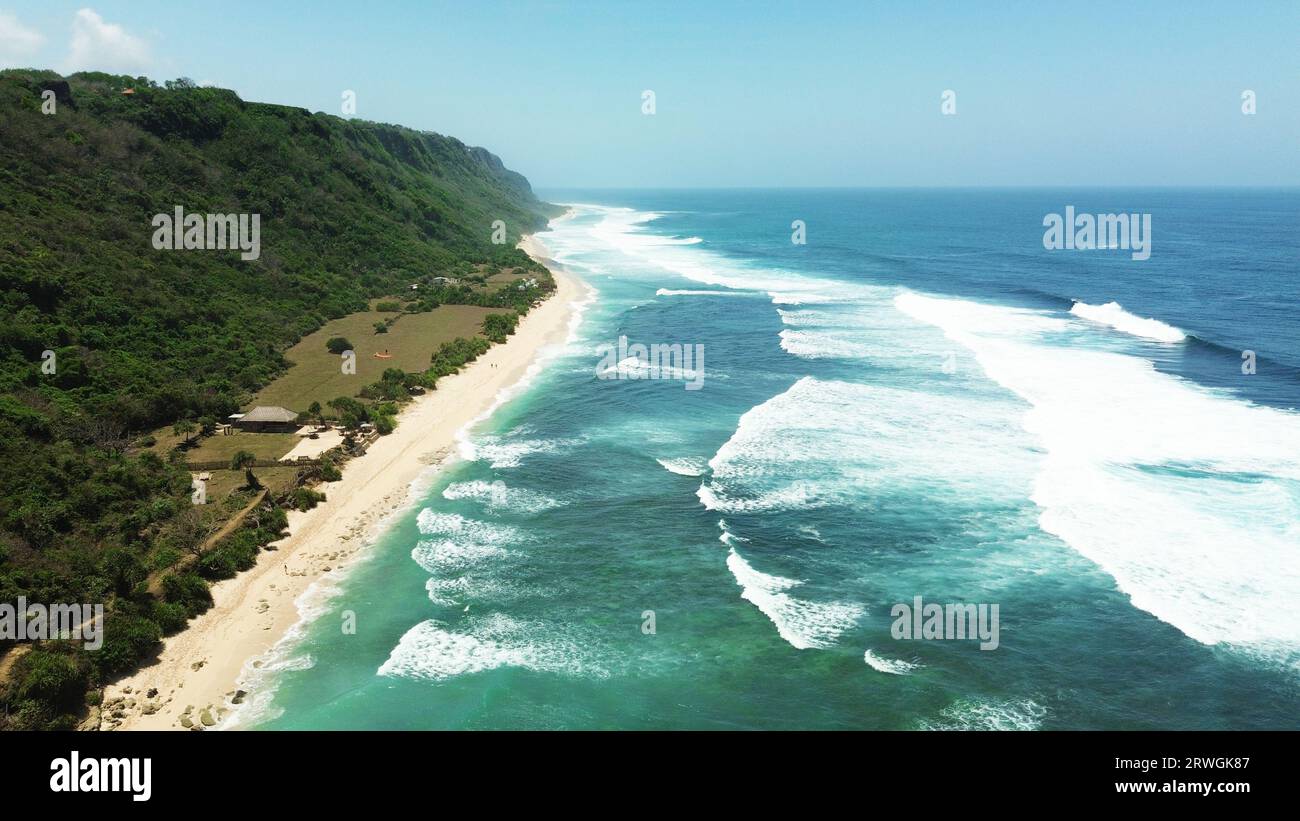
(919, 401)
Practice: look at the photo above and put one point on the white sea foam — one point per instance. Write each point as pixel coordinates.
(803, 318)
(496, 496)
(634, 368)
(455, 591)
(1115, 316)
(1011, 714)
(687, 466)
(811, 532)
(462, 542)
(825, 442)
(623, 229)
(1188, 497)
(727, 537)
(445, 555)
(676, 292)
(432, 523)
(896, 667)
(258, 679)
(505, 452)
(804, 624)
(819, 345)
(798, 494)
(437, 650)
(799, 298)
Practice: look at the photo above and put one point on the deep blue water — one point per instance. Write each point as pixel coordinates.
(909, 404)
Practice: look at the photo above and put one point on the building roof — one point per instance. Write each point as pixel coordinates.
(270, 413)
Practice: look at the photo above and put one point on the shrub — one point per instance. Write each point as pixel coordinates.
(170, 616)
(127, 638)
(338, 344)
(304, 498)
(187, 590)
(57, 679)
(329, 472)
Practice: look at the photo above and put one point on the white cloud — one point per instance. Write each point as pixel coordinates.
(16, 41)
(100, 46)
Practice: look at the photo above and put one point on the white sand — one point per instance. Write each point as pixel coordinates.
(311, 448)
(199, 667)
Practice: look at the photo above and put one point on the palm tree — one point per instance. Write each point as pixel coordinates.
(244, 459)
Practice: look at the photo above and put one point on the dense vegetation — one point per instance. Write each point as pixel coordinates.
(142, 338)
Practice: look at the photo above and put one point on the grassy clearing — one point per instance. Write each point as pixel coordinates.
(508, 278)
(225, 482)
(317, 376)
(222, 448)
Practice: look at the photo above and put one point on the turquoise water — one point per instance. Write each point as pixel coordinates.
(911, 404)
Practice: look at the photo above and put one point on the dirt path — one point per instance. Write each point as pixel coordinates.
(155, 579)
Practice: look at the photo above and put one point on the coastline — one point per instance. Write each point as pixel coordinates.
(198, 670)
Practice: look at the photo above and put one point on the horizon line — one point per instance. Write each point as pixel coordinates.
(997, 187)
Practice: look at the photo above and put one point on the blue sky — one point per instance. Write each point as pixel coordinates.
(748, 93)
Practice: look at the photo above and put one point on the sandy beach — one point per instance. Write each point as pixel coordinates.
(198, 672)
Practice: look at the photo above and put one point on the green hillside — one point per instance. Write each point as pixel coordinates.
(349, 211)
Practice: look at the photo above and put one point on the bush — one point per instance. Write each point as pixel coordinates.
(338, 344)
(236, 553)
(452, 356)
(304, 498)
(388, 306)
(187, 590)
(170, 616)
(329, 472)
(351, 412)
(122, 570)
(127, 639)
(56, 679)
(497, 327)
(394, 385)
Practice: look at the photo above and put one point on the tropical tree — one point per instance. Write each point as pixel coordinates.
(185, 428)
(245, 460)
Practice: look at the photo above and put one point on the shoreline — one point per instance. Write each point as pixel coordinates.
(199, 670)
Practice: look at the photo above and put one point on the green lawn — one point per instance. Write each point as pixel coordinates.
(262, 445)
(317, 374)
(224, 482)
(508, 278)
(221, 448)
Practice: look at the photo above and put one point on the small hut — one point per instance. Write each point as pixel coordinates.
(268, 419)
